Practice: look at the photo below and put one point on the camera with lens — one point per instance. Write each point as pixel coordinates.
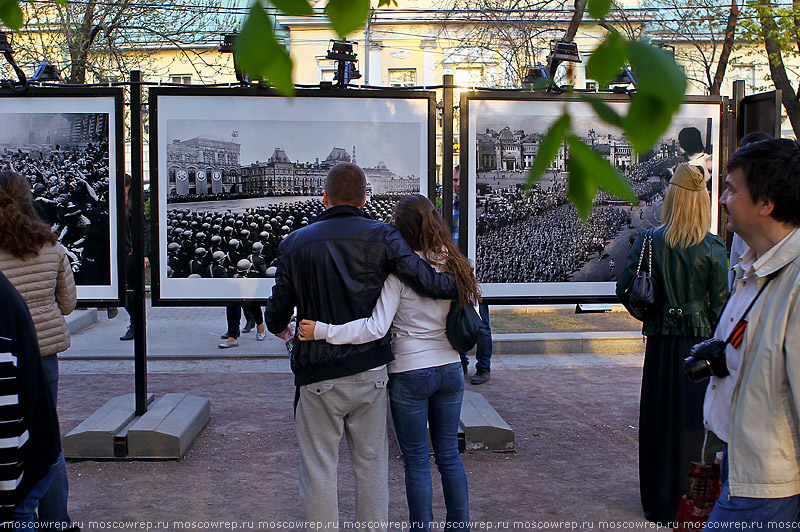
(706, 359)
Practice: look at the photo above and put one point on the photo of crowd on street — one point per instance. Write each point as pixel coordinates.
(65, 157)
(234, 189)
(536, 236)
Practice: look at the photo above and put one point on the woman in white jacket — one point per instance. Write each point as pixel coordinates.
(426, 380)
(38, 267)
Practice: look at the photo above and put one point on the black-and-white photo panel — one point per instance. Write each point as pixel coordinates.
(68, 144)
(531, 245)
(236, 172)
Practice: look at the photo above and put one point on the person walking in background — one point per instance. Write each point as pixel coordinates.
(130, 258)
(333, 271)
(426, 381)
(483, 348)
(37, 265)
(689, 271)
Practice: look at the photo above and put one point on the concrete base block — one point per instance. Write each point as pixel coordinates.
(79, 319)
(94, 437)
(484, 429)
(169, 426)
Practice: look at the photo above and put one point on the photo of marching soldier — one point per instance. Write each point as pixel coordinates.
(536, 236)
(65, 157)
(231, 201)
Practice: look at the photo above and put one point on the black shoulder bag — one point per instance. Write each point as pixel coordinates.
(462, 326)
(642, 296)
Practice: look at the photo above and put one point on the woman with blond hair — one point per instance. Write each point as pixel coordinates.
(38, 267)
(426, 380)
(689, 270)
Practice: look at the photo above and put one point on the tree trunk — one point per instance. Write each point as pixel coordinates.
(577, 17)
(776, 67)
(727, 46)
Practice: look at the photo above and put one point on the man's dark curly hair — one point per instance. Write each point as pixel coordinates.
(22, 232)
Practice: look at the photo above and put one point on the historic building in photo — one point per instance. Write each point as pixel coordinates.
(203, 165)
(86, 127)
(512, 151)
(279, 176)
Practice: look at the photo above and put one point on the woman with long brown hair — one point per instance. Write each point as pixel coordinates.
(426, 380)
(38, 267)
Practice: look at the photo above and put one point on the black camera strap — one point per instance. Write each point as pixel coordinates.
(737, 334)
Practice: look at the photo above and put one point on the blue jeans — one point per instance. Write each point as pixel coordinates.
(750, 513)
(53, 505)
(483, 350)
(430, 397)
(25, 513)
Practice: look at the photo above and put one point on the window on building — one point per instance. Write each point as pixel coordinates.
(469, 75)
(747, 73)
(183, 79)
(402, 77)
(326, 74)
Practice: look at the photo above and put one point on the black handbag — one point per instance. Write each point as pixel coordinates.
(462, 326)
(642, 296)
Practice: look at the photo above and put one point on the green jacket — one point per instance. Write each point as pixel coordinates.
(692, 285)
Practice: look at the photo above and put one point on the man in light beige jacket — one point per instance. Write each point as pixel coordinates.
(756, 409)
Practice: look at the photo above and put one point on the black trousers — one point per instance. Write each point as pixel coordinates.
(233, 313)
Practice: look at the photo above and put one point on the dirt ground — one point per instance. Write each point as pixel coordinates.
(575, 464)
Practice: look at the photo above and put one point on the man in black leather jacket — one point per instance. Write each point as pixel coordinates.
(333, 271)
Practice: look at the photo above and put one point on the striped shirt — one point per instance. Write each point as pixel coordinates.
(13, 431)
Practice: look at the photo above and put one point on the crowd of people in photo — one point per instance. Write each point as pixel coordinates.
(212, 244)
(540, 221)
(556, 245)
(70, 187)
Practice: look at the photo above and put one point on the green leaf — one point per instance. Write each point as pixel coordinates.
(603, 110)
(599, 8)
(659, 95)
(388, 3)
(608, 59)
(604, 175)
(259, 55)
(587, 171)
(293, 7)
(11, 14)
(346, 16)
(548, 148)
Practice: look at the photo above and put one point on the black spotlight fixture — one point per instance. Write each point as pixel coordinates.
(537, 76)
(346, 60)
(620, 82)
(561, 52)
(46, 72)
(227, 48)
